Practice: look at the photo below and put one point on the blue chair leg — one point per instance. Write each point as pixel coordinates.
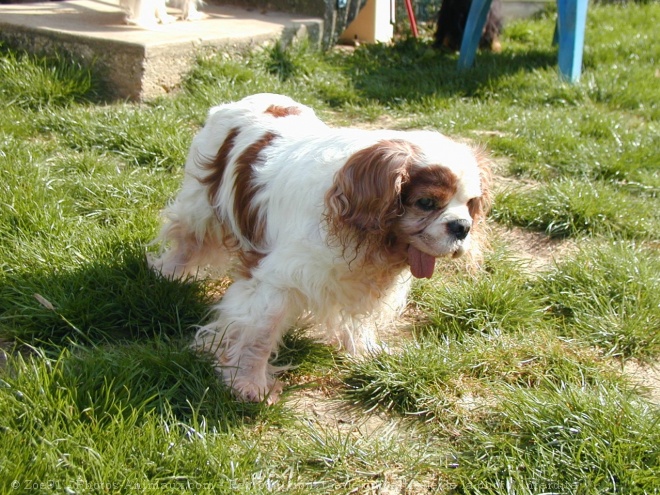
(571, 22)
(473, 28)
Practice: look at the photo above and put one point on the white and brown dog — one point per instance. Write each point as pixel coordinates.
(148, 13)
(321, 222)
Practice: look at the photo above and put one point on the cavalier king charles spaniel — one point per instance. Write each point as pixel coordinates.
(318, 222)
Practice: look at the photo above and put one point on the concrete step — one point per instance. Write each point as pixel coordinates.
(138, 63)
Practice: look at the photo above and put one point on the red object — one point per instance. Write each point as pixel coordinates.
(411, 16)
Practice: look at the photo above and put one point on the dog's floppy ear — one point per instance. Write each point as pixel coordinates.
(479, 207)
(366, 191)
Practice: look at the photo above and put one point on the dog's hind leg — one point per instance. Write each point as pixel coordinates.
(186, 252)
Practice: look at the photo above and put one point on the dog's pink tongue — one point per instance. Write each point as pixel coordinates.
(421, 264)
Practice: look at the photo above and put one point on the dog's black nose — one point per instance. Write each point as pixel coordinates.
(459, 228)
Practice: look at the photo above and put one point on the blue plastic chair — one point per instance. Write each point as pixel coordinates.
(569, 34)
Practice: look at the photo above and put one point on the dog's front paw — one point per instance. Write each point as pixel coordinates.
(145, 23)
(194, 16)
(254, 392)
(166, 19)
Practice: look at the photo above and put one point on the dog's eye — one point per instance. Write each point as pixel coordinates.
(426, 204)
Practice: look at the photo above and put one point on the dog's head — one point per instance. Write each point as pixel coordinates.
(420, 195)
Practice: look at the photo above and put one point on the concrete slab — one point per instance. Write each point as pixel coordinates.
(139, 63)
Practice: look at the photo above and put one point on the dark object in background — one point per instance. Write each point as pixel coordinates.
(451, 25)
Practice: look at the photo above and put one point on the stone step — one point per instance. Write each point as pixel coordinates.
(138, 63)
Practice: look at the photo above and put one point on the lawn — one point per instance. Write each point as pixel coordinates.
(515, 379)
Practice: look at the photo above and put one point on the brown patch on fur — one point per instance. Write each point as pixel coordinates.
(217, 167)
(366, 191)
(250, 222)
(479, 207)
(364, 202)
(435, 181)
(278, 111)
(475, 208)
(248, 260)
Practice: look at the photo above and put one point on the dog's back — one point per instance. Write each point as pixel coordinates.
(212, 211)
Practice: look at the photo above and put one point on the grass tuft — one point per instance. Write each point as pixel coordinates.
(609, 297)
(119, 432)
(565, 439)
(449, 381)
(573, 208)
(498, 300)
(34, 82)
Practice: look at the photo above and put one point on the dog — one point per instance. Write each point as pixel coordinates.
(148, 13)
(451, 21)
(317, 222)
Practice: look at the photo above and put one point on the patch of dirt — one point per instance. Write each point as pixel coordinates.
(647, 377)
(502, 183)
(321, 405)
(382, 122)
(321, 409)
(337, 119)
(535, 248)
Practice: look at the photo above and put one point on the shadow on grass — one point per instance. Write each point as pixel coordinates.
(117, 338)
(111, 338)
(412, 70)
(168, 378)
(99, 301)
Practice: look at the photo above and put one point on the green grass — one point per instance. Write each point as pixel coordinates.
(609, 297)
(500, 300)
(511, 381)
(567, 439)
(38, 82)
(571, 208)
